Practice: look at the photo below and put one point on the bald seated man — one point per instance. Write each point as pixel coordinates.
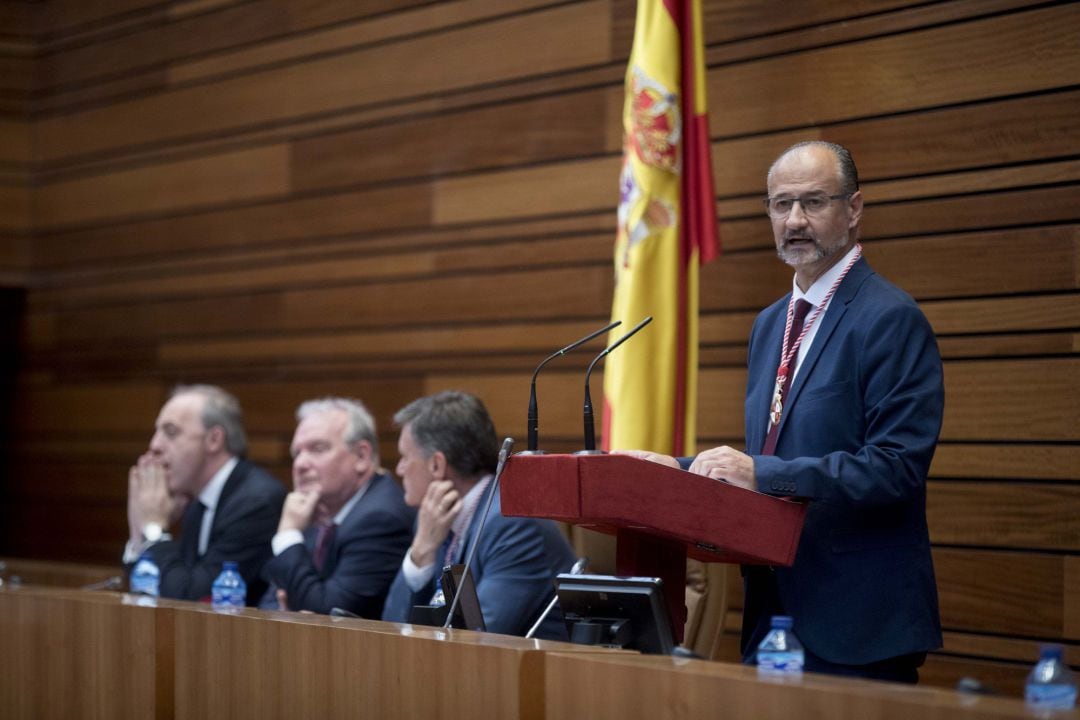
(194, 473)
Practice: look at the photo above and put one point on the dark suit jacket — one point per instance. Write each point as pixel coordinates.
(515, 566)
(246, 518)
(857, 435)
(361, 561)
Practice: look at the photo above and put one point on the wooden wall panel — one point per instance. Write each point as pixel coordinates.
(1017, 462)
(492, 136)
(1012, 399)
(16, 208)
(522, 45)
(991, 514)
(14, 141)
(234, 177)
(1019, 52)
(215, 231)
(194, 35)
(296, 198)
(382, 27)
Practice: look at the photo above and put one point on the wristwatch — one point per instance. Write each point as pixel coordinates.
(152, 532)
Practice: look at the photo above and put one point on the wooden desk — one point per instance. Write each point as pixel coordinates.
(71, 654)
(663, 688)
(50, 572)
(258, 664)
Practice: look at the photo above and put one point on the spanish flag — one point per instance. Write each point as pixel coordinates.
(666, 227)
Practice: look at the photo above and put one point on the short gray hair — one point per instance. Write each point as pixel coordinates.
(360, 426)
(456, 424)
(220, 409)
(849, 174)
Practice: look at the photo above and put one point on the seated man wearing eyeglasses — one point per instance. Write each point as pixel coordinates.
(844, 403)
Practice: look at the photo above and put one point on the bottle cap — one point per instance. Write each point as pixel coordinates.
(229, 565)
(1050, 650)
(783, 622)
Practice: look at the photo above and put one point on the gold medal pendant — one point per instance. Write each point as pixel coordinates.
(777, 401)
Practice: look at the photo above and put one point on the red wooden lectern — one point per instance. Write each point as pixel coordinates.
(659, 515)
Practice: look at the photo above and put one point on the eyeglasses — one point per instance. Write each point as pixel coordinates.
(812, 205)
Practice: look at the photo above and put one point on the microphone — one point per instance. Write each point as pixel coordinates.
(590, 429)
(114, 582)
(504, 453)
(577, 569)
(533, 422)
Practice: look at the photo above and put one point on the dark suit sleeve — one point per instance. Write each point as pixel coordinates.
(366, 562)
(242, 533)
(885, 418)
(400, 599)
(518, 562)
(268, 601)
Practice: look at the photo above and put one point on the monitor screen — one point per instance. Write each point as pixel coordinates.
(468, 614)
(626, 612)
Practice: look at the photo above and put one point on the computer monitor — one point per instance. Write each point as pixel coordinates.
(467, 615)
(625, 612)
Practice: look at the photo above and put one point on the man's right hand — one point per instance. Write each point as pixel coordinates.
(149, 499)
(441, 504)
(298, 510)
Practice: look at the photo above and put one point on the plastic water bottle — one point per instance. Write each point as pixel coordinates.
(1051, 685)
(780, 653)
(145, 576)
(229, 591)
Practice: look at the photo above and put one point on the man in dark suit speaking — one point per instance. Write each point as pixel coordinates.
(844, 403)
(345, 526)
(195, 472)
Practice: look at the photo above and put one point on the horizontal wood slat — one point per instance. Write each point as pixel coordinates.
(228, 178)
(14, 141)
(545, 129)
(523, 45)
(344, 37)
(982, 134)
(985, 591)
(914, 70)
(375, 210)
(358, 264)
(1008, 593)
(989, 514)
(190, 36)
(1022, 462)
(1012, 399)
(16, 209)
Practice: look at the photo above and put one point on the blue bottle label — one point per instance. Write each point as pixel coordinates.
(780, 662)
(1055, 696)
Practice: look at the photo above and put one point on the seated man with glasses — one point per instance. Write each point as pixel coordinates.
(844, 402)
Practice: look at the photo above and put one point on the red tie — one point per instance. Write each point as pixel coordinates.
(802, 308)
(323, 538)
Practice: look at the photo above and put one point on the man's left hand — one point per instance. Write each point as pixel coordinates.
(727, 464)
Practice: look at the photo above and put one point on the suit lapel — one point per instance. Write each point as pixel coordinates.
(773, 337)
(231, 484)
(829, 322)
